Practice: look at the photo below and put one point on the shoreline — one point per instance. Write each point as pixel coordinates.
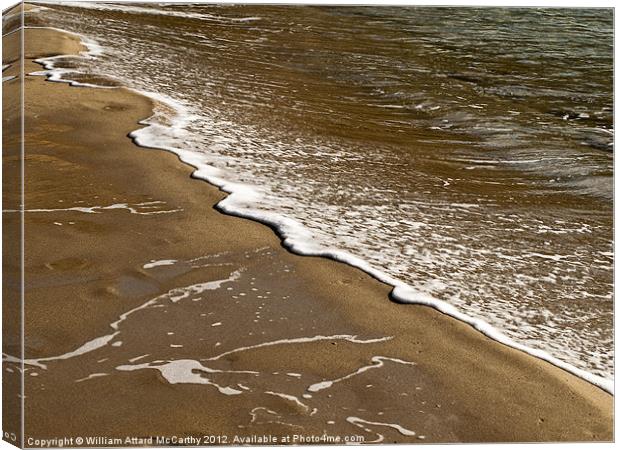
(400, 292)
(323, 271)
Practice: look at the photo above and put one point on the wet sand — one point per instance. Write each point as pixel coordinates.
(257, 333)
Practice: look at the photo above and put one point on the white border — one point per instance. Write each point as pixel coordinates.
(502, 3)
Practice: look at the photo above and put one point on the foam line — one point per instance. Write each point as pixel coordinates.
(377, 363)
(96, 209)
(302, 340)
(290, 398)
(362, 422)
(53, 73)
(91, 376)
(298, 239)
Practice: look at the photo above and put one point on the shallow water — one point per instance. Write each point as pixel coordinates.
(466, 152)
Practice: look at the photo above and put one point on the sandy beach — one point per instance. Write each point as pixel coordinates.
(202, 324)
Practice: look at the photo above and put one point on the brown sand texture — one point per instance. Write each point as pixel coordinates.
(149, 313)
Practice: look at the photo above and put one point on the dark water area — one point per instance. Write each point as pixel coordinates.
(467, 152)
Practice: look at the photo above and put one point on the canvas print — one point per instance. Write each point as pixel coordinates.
(306, 224)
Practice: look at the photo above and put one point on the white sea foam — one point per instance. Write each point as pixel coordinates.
(363, 424)
(137, 358)
(168, 133)
(290, 398)
(10, 77)
(186, 371)
(301, 340)
(377, 362)
(133, 209)
(91, 376)
(56, 74)
(161, 262)
(273, 417)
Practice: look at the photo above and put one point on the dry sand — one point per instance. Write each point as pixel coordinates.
(83, 270)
